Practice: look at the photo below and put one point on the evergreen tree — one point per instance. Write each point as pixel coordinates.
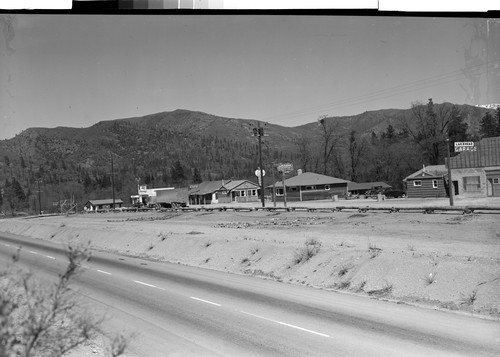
(196, 176)
(488, 126)
(178, 175)
(23, 164)
(18, 190)
(457, 130)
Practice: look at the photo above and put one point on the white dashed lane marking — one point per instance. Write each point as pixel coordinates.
(32, 252)
(103, 272)
(288, 325)
(48, 256)
(206, 301)
(146, 284)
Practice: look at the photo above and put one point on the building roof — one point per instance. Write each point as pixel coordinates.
(310, 179)
(431, 171)
(486, 154)
(231, 185)
(108, 201)
(207, 187)
(354, 186)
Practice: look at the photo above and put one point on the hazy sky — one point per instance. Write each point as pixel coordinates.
(76, 70)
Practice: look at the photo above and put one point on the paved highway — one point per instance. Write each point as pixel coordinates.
(184, 311)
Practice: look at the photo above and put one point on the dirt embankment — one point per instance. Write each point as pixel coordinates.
(449, 261)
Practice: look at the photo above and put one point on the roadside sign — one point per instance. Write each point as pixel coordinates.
(257, 172)
(286, 168)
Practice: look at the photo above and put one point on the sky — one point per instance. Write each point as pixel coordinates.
(77, 70)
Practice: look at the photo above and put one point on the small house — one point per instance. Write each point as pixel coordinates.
(428, 182)
(206, 192)
(239, 191)
(98, 205)
(310, 186)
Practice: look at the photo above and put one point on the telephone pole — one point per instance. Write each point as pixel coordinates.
(38, 181)
(259, 133)
(112, 178)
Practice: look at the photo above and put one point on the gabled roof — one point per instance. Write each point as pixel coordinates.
(431, 171)
(354, 186)
(231, 185)
(207, 187)
(108, 201)
(310, 179)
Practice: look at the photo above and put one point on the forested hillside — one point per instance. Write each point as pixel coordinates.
(183, 147)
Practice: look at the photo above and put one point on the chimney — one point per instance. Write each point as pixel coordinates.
(299, 172)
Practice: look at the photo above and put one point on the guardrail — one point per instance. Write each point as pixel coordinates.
(361, 209)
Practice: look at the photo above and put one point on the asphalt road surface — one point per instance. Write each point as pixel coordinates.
(177, 310)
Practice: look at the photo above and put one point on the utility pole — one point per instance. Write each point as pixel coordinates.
(112, 179)
(38, 181)
(259, 133)
(451, 188)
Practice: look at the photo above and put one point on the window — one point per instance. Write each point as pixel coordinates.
(417, 183)
(243, 193)
(496, 181)
(293, 188)
(310, 187)
(327, 187)
(279, 192)
(434, 183)
(472, 184)
(252, 192)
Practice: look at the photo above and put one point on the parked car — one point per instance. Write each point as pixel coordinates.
(394, 193)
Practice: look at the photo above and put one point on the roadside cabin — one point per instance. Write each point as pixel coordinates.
(428, 182)
(206, 192)
(98, 205)
(310, 186)
(239, 191)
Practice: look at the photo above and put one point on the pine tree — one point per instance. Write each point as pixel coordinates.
(196, 176)
(18, 190)
(178, 175)
(488, 127)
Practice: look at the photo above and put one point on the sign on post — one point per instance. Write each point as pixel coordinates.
(285, 168)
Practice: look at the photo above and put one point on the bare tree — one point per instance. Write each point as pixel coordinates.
(304, 145)
(357, 149)
(40, 319)
(329, 140)
(429, 128)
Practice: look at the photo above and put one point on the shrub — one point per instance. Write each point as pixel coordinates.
(373, 250)
(310, 249)
(43, 319)
(431, 278)
(343, 270)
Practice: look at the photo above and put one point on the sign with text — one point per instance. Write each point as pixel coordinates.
(286, 168)
(465, 146)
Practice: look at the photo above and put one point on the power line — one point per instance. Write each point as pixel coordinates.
(433, 81)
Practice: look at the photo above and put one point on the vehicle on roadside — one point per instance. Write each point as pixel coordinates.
(394, 193)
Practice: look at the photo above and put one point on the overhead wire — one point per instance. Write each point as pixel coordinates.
(423, 83)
